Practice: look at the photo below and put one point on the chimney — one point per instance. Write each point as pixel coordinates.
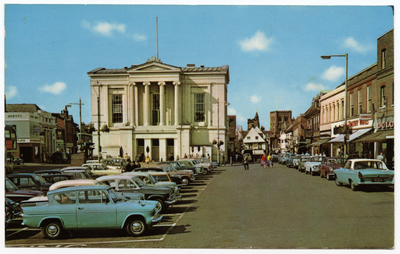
(190, 65)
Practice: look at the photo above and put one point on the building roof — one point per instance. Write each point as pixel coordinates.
(31, 108)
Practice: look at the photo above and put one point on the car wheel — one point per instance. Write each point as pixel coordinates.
(53, 230)
(353, 186)
(185, 181)
(204, 171)
(163, 205)
(337, 182)
(136, 227)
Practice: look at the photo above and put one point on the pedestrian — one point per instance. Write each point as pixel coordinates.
(370, 156)
(263, 160)
(208, 157)
(147, 160)
(177, 157)
(269, 159)
(128, 159)
(185, 155)
(246, 162)
(380, 156)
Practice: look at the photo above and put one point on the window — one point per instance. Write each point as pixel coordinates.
(351, 105)
(117, 108)
(369, 99)
(93, 197)
(359, 102)
(343, 109)
(383, 96)
(156, 109)
(199, 110)
(66, 198)
(383, 59)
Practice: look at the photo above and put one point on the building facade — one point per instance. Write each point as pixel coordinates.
(157, 109)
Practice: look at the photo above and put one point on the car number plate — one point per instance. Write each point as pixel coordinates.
(378, 180)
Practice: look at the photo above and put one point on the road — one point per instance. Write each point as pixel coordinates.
(273, 208)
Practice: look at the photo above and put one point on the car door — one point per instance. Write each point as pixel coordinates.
(95, 210)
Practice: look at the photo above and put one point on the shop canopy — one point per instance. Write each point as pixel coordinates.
(377, 136)
(356, 134)
(320, 142)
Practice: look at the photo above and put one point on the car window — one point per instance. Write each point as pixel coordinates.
(126, 184)
(139, 182)
(348, 165)
(162, 178)
(66, 198)
(92, 197)
(24, 181)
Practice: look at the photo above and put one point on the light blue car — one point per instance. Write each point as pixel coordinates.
(364, 172)
(89, 207)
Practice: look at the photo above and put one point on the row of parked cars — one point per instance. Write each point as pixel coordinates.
(355, 173)
(68, 198)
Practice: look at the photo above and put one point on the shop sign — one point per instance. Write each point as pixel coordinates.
(365, 117)
(22, 140)
(14, 116)
(386, 125)
(358, 122)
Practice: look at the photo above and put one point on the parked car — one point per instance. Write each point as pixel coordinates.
(285, 157)
(29, 181)
(73, 183)
(128, 185)
(205, 160)
(311, 166)
(99, 169)
(189, 164)
(304, 158)
(57, 178)
(275, 157)
(18, 161)
(204, 163)
(71, 170)
(328, 165)
(182, 177)
(149, 180)
(17, 195)
(12, 210)
(289, 160)
(77, 208)
(116, 161)
(296, 160)
(48, 172)
(364, 172)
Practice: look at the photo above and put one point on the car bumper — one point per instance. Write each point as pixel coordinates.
(375, 183)
(172, 201)
(156, 219)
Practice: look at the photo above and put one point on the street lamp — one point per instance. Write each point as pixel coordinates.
(218, 142)
(345, 97)
(65, 127)
(80, 119)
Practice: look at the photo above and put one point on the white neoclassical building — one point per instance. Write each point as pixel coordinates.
(160, 108)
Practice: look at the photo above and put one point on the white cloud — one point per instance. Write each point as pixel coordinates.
(104, 28)
(259, 42)
(351, 43)
(11, 92)
(55, 88)
(138, 37)
(255, 99)
(333, 73)
(314, 87)
(231, 111)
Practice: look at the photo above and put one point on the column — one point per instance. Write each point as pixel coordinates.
(176, 84)
(162, 102)
(136, 104)
(131, 105)
(146, 105)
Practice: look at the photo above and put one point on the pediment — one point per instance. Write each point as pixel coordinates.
(154, 66)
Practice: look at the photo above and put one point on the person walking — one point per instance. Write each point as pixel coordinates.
(269, 159)
(380, 156)
(246, 162)
(264, 161)
(147, 160)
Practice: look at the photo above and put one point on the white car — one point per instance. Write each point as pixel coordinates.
(99, 169)
(311, 166)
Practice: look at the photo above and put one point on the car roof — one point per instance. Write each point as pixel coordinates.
(74, 168)
(80, 187)
(136, 173)
(22, 174)
(71, 183)
(121, 176)
(356, 160)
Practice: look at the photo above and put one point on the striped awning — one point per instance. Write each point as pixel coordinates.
(377, 136)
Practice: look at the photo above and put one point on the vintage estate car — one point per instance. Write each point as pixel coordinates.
(128, 185)
(205, 160)
(187, 164)
(304, 158)
(76, 208)
(17, 195)
(29, 181)
(311, 166)
(328, 165)
(296, 160)
(100, 169)
(180, 177)
(364, 172)
(149, 180)
(204, 163)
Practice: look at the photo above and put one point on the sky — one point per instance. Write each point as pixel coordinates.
(273, 51)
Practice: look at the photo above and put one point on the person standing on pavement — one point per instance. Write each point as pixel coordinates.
(246, 162)
(380, 156)
(147, 160)
(269, 159)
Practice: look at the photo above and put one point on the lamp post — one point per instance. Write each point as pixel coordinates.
(218, 142)
(345, 97)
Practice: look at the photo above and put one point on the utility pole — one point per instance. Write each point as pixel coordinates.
(80, 118)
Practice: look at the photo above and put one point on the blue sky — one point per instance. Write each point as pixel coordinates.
(273, 52)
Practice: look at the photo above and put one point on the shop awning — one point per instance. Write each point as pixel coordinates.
(320, 142)
(353, 136)
(377, 136)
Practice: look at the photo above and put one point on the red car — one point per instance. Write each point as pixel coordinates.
(329, 164)
(17, 195)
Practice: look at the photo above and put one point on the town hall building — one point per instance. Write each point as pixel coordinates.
(159, 110)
